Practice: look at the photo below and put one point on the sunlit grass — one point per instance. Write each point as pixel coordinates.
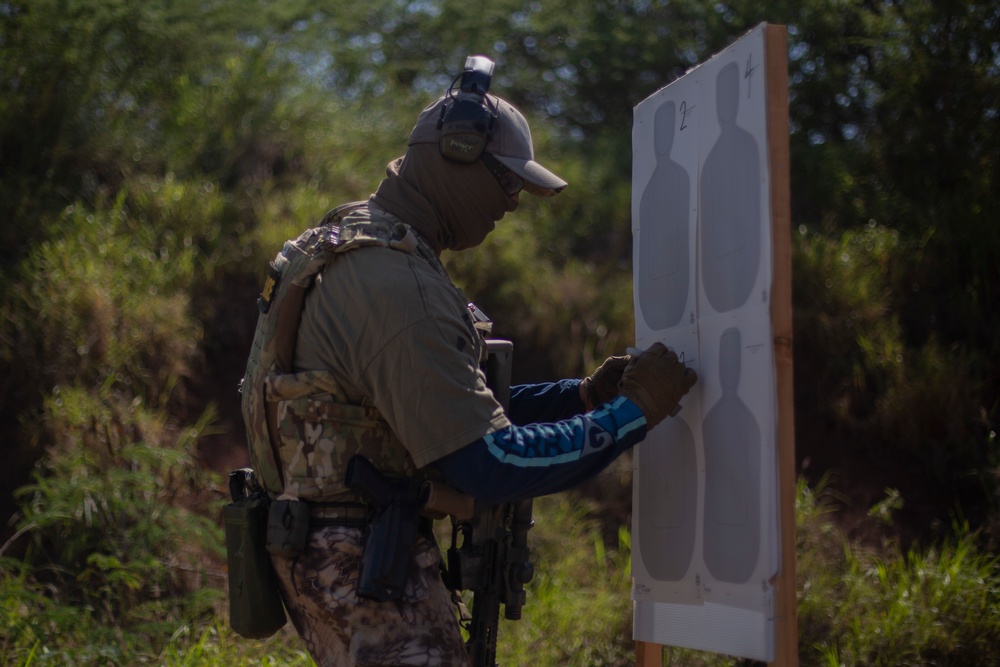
(578, 610)
(215, 645)
(861, 606)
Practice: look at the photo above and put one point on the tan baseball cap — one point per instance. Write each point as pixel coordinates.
(510, 145)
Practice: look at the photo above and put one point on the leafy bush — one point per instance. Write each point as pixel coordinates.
(106, 303)
(844, 305)
(861, 606)
(114, 541)
(860, 369)
(114, 554)
(564, 330)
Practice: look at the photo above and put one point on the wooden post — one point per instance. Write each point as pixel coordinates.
(786, 650)
(648, 654)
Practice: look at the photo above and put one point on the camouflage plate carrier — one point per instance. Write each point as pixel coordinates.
(301, 429)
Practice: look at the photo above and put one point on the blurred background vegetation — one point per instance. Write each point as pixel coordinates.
(154, 156)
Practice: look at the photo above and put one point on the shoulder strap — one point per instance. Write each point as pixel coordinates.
(322, 243)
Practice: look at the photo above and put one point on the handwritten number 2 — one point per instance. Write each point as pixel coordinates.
(684, 114)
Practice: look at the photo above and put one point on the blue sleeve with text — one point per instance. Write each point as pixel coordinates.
(537, 459)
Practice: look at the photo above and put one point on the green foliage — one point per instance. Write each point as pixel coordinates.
(80, 103)
(108, 302)
(113, 558)
(569, 327)
(113, 530)
(579, 594)
(215, 644)
(844, 293)
(858, 606)
(916, 403)
(156, 155)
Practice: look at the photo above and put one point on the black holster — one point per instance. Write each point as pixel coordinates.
(392, 529)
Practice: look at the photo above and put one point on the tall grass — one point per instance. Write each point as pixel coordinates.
(857, 605)
(862, 606)
(578, 610)
(113, 556)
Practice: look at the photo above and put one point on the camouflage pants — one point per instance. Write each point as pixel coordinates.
(342, 630)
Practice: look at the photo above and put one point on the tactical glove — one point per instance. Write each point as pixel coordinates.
(602, 385)
(656, 381)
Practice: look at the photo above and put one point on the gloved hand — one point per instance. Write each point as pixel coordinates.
(656, 381)
(602, 385)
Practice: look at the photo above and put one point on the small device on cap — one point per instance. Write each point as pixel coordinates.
(467, 120)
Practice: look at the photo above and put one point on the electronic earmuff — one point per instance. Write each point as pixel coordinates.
(467, 118)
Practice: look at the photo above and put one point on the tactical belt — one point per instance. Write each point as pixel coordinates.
(354, 515)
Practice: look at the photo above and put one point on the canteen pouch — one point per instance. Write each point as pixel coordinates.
(255, 608)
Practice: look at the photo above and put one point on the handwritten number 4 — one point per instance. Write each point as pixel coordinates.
(748, 72)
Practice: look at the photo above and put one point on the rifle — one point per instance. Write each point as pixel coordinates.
(489, 552)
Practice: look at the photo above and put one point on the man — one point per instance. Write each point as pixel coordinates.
(369, 348)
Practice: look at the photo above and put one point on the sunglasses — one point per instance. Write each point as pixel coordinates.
(508, 180)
